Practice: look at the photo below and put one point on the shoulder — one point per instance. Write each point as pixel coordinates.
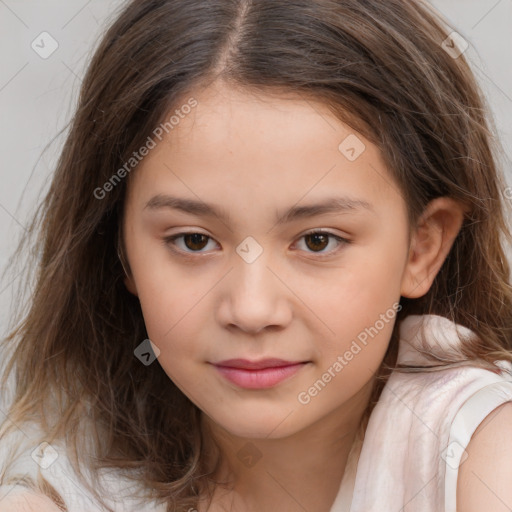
(485, 476)
(27, 501)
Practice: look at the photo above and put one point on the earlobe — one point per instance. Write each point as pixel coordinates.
(431, 242)
(130, 285)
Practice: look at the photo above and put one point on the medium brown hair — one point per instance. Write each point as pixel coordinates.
(379, 66)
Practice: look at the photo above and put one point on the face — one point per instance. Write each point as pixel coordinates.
(302, 261)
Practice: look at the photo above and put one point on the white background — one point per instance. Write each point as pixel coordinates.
(37, 95)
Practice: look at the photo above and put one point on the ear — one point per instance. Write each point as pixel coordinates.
(431, 242)
(129, 282)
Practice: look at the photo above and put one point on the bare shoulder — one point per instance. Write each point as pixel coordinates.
(27, 501)
(485, 477)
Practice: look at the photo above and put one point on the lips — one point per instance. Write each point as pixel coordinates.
(262, 374)
(245, 364)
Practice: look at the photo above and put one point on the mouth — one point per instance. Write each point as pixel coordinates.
(261, 374)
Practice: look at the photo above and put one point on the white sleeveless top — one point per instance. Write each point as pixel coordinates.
(50, 461)
(409, 459)
(418, 431)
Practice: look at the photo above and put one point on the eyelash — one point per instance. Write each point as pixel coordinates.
(170, 242)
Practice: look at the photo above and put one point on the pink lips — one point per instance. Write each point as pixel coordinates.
(257, 374)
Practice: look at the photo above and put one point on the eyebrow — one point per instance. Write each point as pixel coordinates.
(200, 208)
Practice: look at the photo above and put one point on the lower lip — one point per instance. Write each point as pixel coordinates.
(259, 379)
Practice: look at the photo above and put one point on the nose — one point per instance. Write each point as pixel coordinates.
(254, 297)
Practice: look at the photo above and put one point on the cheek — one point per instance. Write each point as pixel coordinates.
(367, 286)
(168, 305)
(171, 323)
(171, 318)
(168, 295)
(177, 306)
(360, 308)
(352, 353)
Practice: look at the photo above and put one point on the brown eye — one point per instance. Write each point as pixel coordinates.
(195, 241)
(188, 243)
(317, 241)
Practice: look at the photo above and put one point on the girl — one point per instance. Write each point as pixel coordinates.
(270, 272)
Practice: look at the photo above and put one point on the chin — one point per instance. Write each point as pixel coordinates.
(257, 426)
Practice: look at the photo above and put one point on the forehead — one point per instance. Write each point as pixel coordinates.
(226, 116)
(265, 146)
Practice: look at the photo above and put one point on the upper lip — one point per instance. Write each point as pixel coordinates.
(245, 364)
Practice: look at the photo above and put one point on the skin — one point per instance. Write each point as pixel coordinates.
(300, 300)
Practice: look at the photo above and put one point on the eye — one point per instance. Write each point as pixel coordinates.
(192, 242)
(317, 241)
